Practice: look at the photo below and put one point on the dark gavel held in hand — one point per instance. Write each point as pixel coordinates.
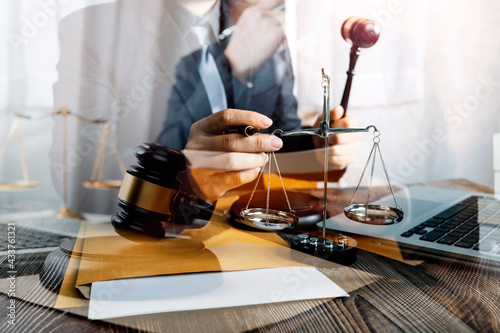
(362, 33)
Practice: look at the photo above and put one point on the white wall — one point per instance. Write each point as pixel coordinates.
(431, 84)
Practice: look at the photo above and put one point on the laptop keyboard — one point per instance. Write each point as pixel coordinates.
(31, 248)
(27, 238)
(472, 223)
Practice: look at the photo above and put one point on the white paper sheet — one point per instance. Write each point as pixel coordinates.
(158, 294)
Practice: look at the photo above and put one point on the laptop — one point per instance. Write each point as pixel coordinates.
(438, 222)
(29, 238)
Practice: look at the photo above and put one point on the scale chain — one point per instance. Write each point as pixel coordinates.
(375, 149)
(282, 184)
(387, 177)
(362, 175)
(373, 153)
(256, 183)
(268, 189)
(269, 154)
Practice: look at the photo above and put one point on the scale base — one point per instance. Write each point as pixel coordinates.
(343, 251)
(66, 213)
(18, 185)
(102, 184)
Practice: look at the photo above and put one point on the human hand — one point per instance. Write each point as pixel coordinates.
(343, 147)
(227, 160)
(258, 35)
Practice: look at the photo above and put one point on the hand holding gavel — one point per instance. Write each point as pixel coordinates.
(362, 33)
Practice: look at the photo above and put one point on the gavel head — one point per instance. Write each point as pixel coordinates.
(148, 190)
(361, 32)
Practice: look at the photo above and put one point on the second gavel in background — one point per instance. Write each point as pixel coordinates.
(361, 33)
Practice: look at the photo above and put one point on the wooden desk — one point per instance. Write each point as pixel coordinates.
(385, 295)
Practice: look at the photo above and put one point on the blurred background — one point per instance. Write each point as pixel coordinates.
(431, 85)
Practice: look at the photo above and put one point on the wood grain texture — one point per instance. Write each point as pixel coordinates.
(438, 295)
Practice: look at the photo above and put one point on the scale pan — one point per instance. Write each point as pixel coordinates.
(102, 183)
(269, 219)
(374, 214)
(18, 185)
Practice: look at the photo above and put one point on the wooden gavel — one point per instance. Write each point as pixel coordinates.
(362, 33)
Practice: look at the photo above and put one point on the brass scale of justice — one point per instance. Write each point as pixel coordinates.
(95, 181)
(362, 33)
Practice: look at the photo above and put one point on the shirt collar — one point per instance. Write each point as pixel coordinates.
(184, 19)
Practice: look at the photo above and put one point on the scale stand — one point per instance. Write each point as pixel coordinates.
(365, 213)
(324, 131)
(26, 183)
(96, 181)
(65, 211)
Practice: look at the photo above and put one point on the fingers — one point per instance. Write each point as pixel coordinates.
(343, 155)
(340, 156)
(261, 14)
(231, 118)
(258, 36)
(336, 113)
(236, 143)
(336, 121)
(206, 134)
(345, 139)
(224, 161)
(212, 184)
(343, 147)
(269, 5)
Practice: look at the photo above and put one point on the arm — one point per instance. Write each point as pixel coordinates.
(187, 104)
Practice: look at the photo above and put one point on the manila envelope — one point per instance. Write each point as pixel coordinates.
(216, 247)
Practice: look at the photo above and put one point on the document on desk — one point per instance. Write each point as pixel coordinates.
(183, 292)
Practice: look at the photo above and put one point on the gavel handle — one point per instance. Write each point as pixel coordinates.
(350, 73)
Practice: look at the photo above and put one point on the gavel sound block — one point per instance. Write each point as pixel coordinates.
(361, 33)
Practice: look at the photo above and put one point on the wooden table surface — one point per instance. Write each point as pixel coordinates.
(386, 295)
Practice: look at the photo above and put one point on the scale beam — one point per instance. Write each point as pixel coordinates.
(321, 133)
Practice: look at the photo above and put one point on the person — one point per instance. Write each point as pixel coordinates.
(125, 74)
(253, 65)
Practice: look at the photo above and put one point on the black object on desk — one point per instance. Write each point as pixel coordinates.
(151, 197)
(340, 251)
